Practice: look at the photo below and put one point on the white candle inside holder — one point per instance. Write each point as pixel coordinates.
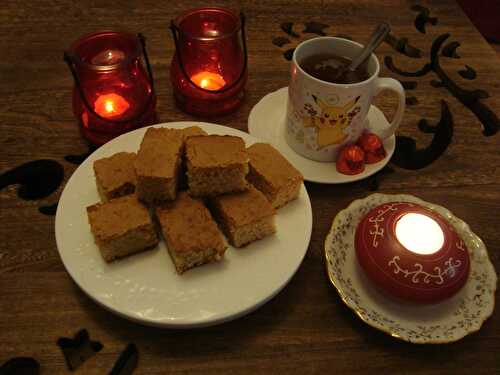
(419, 233)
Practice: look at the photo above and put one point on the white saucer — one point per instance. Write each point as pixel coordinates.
(440, 323)
(145, 287)
(267, 122)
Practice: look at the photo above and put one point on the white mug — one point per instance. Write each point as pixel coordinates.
(322, 117)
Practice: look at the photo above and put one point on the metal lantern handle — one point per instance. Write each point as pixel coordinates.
(70, 60)
(175, 32)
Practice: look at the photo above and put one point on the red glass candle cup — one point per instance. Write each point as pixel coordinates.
(411, 275)
(112, 92)
(209, 67)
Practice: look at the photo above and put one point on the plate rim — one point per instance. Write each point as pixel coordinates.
(373, 323)
(325, 181)
(204, 322)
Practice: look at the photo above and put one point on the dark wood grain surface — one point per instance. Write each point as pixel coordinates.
(306, 329)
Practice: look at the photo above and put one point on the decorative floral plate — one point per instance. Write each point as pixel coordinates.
(444, 322)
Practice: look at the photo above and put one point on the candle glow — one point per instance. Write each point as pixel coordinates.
(209, 81)
(108, 57)
(419, 233)
(111, 105)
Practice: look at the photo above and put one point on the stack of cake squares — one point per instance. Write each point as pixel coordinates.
(196, 188)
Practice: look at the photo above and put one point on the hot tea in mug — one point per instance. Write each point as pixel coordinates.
(327, 110)
(332, 68)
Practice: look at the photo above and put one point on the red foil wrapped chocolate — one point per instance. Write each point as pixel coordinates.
(351, 160)
(373, 147)
(404, 274)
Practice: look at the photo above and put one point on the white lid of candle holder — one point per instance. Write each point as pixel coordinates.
(439, 323)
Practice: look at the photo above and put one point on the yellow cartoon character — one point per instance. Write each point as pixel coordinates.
(331, 123)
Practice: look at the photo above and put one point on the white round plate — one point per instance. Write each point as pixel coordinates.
(267, 122)
(146, 288)
(444, 322)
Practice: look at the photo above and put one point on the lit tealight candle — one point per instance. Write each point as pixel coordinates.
(210, 29)
(111, 105)
(209, 81)
(108, 57)
(419, 233)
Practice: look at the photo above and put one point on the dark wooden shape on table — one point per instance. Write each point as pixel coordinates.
(20, 366)
(468, 73)
(126, 362)
(423, 18)
(37, 179)
(78, 349)
(305, 329)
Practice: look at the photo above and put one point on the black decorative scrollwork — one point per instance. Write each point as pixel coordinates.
(127, 361)
(78, 349)
(468, 73)
(408, 156)
(469, 98)
(450, 50)
(314, 27)
(280, 41)
(423, 18)
(38, 178)
(20, 366)
(287, 27)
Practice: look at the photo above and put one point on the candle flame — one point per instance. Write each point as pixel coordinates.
(419, 233)
(111, 105)
(209, 81)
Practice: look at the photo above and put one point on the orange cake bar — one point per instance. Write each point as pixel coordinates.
(245, 216)
(158, 164)
(115, 175)
(121, 227)
(188, 132)
(191, 233)
(192, 131)
(216, 165)
(273, 175)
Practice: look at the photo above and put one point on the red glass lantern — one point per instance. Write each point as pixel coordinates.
(209, 67)
(112, 92)
(412, 253)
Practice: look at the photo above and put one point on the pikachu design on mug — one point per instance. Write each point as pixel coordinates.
(331, 122)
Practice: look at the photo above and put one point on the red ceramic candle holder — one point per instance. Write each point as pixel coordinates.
(411, 274)
(209, 67)
(112, 92)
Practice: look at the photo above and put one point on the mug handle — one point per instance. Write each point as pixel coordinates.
(392, 85)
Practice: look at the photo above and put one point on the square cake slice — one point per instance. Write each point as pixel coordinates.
(115, 175)
(158, 165)
(273, 175)
(216, 164)
(193, 237)
(192, 131)
(186, 133)
(245, 216)
(121, 227)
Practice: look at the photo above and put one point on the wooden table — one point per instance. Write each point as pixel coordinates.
(306, 329)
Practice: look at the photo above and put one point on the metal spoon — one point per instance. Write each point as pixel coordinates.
(375, 39)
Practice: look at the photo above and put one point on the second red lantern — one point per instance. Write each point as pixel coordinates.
(209, 67)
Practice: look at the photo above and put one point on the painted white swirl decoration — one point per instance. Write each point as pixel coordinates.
(419, 275)
(376, 230)
(460, 245)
